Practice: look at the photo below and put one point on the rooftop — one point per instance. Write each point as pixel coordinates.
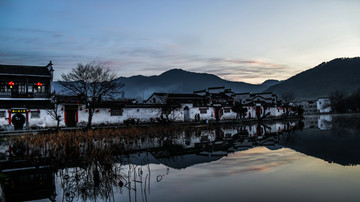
(23, 70)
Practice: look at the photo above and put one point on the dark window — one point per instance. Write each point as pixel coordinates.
(2, 114)
(154, 100)
(3, 87)
(203, 110)
(226, 110)
(116, 112)
(35, 114)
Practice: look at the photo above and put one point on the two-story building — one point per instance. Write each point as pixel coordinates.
(25, 94)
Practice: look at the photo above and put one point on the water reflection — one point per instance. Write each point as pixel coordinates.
(113, 166)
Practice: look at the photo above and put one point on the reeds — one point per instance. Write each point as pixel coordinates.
(67, 147)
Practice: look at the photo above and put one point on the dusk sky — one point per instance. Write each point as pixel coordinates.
(248, 41)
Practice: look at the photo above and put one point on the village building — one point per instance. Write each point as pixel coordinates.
(186, 107)
(25, 94)
(27, 101)
(256, 98)
(323, 105)
(309, 106)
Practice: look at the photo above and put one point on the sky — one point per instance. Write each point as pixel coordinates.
(249, 41)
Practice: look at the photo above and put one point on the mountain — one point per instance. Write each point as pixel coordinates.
(178, 81)
(181, 81)
(271, 82)
(341, 74)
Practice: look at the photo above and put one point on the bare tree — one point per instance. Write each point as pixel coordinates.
(288, 97)
(239, 110)
(94, 82)
(169, 108)
(54, 112)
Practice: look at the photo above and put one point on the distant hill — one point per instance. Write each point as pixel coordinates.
(342, 74)
(180, 81)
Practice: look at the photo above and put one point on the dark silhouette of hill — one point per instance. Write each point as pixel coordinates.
(181, 81)
(342, 74)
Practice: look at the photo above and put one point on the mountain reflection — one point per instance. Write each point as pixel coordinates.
(90, 169)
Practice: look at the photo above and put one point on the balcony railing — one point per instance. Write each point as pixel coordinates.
(24, 95)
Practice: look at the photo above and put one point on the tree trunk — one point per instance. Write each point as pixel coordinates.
(91, 113)
(57, 124)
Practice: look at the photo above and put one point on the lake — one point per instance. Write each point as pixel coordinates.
(315, 159)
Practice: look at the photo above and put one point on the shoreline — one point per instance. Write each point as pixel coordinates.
(112, 126)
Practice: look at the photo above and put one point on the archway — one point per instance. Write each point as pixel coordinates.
(18, 121)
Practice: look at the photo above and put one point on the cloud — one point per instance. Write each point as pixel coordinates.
(259, 159)
(133, 57)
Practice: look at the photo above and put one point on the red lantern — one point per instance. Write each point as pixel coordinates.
(11, 84)
(109, 110)
(80, 108)
(38, 84)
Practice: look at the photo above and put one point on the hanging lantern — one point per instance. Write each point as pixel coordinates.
(11, 84)
(38, 84)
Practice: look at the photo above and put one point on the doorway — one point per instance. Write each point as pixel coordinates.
(71, 113)
(218, 113)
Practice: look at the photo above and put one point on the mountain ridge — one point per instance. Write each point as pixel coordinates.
(182, 81)
(340, 74)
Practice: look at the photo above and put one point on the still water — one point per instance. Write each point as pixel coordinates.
(316, 159)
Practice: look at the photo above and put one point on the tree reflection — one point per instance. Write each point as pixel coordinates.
(101, 178)
(95, 165)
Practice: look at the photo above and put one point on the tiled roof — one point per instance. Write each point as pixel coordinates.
(25, 70)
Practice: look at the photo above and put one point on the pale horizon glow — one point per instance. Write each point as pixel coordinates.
(248, 41)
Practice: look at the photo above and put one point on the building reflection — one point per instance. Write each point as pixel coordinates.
(325, 122)
(99, 169)
(28, 183)
(322, 122)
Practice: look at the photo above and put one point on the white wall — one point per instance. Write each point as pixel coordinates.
(323, 105)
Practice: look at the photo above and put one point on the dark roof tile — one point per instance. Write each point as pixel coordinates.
(24, 70)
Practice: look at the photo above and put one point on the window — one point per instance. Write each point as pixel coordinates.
(39, 89)
(227, 110)
(21, 87)
(35, 114)
(116, 112)
(203, 110)
(3, 87)
(30, 89)
(2, 114)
